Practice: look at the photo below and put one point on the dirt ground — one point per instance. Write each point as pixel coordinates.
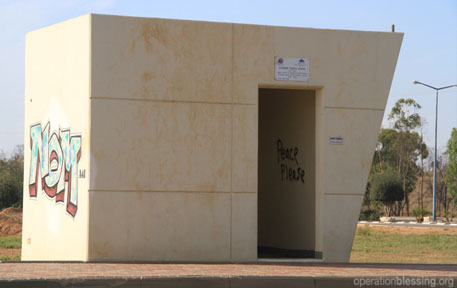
(10, 225)
(411, 230)
(9, 252)
(11, 222)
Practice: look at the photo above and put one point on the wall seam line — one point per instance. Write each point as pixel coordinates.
(353, 108)
(231, 150)
(169, 101)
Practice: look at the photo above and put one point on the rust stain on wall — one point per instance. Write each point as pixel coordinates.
(339, 48)
(147, 76)
(153, 30)
(104, 250)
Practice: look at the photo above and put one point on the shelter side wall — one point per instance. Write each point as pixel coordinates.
(165, 135)
(56, 150)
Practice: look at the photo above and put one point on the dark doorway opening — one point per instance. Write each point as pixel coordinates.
(286, 174)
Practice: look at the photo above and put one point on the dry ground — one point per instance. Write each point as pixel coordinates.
(409, 230)
(10, 234)
(11, 222)
(384, 244)
(372, 244)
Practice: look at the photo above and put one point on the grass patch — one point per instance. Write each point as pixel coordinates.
(11, 258)
(374, 245)
(363, 231)
(10, 242)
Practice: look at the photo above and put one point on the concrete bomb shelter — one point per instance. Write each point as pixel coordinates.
(166, 140)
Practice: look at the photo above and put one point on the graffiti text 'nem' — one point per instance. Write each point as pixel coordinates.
(56, 158)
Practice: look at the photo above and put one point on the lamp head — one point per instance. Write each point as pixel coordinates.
(415, 82)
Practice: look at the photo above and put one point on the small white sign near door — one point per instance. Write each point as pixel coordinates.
(335, 140)
(291, 69)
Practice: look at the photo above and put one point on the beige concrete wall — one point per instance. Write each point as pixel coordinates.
(173, 135)
(57, 103)
(352, 72)
(286, 193)
(164, 130)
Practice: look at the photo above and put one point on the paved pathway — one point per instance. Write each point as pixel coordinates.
(29, 274)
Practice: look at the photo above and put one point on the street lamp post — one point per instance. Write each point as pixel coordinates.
(436, 134)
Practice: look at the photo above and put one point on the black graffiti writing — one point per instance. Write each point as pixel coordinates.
(287, 157)
(292, 174)
(289, 154)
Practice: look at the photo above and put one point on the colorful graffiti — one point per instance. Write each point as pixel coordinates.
(55, 157)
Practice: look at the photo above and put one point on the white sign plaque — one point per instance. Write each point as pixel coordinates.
(291, 69)
(336, 140)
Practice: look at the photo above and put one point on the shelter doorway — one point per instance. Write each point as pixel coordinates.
(286, 173)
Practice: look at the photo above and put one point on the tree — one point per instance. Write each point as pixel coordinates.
(442, 196)
(423, 155)
(387, 188)
(9, 194)
(405, 119)
(11, 178)
(399, 151)
(451, 175)
(406, 146)
(399, 148)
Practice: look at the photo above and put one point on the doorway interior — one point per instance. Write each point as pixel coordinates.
(286, 173)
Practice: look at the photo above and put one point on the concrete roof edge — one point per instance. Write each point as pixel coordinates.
(250, 24)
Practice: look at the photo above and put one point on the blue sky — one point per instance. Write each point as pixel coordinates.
(428, 54)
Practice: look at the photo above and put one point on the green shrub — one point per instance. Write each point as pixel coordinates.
(370, 215)
(387, 188)
(420, 213)
(448, 215)
(11, 178)
(9, 190)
